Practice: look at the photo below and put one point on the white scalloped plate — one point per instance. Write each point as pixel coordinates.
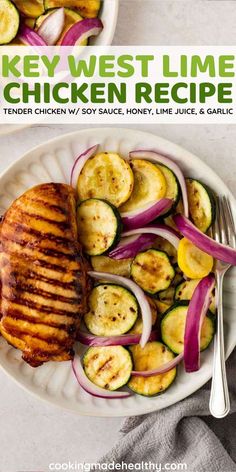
(55, 382)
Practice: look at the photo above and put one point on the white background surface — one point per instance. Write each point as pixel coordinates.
(34, 434)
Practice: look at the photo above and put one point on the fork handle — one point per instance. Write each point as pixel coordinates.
(219, 399)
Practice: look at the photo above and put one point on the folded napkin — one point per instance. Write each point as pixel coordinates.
(183, 433)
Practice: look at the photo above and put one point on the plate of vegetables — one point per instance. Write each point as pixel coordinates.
(145, 207)
(57, 22)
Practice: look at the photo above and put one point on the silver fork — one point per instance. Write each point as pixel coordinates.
(223, 232)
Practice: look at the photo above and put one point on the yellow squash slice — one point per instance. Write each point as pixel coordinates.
(106, 176)
(30, 8)
(152, 356)
(149, 185)
(87, 8)
(194, 263)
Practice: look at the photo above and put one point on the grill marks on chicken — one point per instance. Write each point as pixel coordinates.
(43, 274)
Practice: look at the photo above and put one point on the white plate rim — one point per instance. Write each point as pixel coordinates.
(177, 151)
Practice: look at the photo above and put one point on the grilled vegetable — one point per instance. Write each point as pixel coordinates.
(167, 296)
(164, 160)
(113, 310)
(169, 219)
(153, 355)
(29, 37)
(108, 367)
(138, 326)
(144, 306)
(138, 218)
(179, 276)
(30, 8)
(149, 185)
(106, 176)
(202, 207)
(9, 21)
(112, 266)
(99, 226)
(152, 271)
(219, 251)
(87, 8)
(90, 387)
(30, 22)
(165, 246)
(52, 26)
(197, 311)
(172, 186)
(184, 291)
(71, 17)
(173, 326)
(43, 274)
(161, 306)
(194, 263)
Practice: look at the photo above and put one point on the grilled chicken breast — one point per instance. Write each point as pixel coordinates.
(43, 274)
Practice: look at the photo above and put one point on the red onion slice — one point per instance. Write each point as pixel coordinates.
(129, 247)
(197, 311)
(138, 293)
(158, 230)
(51, 28)
(202, 241)
(159, 370)
(90, 387)
(122, 340)
(137, 218)
(158, 158)
(29, 37)
(81, 31)
(79, 164)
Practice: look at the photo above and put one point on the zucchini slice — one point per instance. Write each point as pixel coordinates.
(193, 262)
(184, 291)
(138, 325)
(99, 226)
(149, 185)
(161, 306)
(172, 186)
(113, 310)
(30, 8)
(165, 246)
(179, 276)
(173, 326)
(202, 207)
(167, 296)
(108, 367)
(106, 176)
(153, 355)
(112, 266)
(9, 21)
(71, 17)
(152, 271)
(87, 8)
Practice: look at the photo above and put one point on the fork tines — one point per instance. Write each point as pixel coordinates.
(224, 227)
